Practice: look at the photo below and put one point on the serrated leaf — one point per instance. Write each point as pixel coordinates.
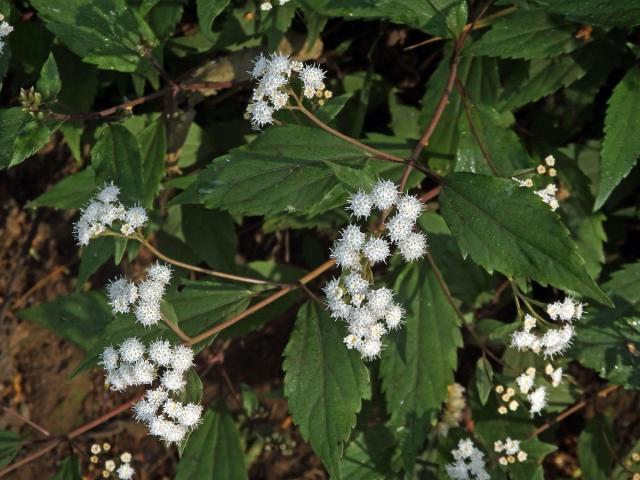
(208, 10)
(501, 144)
(619, 149)
(73, 191)
(324, 384)
(49, 82)
(10, 443)
(80, 317)
(438, 17)
(367, 455)
(527, 34)
(69, 470)
(20, 136)
(213, 450)
(285, 169)
(507, 228)
(116, 157)
(420, 358)
(621, 13)
(153, 146)
(106, 33)
(609, 339)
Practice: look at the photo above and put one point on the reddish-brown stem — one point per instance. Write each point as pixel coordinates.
(270, 299)
(24, 419)
(431, 194)
(573, 409)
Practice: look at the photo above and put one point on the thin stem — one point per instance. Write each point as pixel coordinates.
(27, 421)
(31, 457)
(194, 268)
(573, 409)
(431, 194)
(176, 329)
(270, 299)
(373, 151)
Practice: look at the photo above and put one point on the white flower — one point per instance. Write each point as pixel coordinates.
(109, 193)
(384, 194)
(182, 358)
(352, 237)
(173, 380)
(550, 160)
(190, 415)
(127, 230)
(548, 196)
(468, 461)
(174, 433)
(393, 316)
(567, 310)
(261, 113)
(265, 6)
(156, 397)
(332, 289)
(136, 216)
(376, 250)
(312, 79)
(538, 400)
(161, 352)
(148, 313)
(399, 228)
(524, 341)
(339, 309)
(160, 273)
(131, 350)
(360, 204)
(371, 348)
(144, 372)
(409, 207)
(556, 341)
(351, 341)
(144, 411)
(259, 67)
(556, 377)
(414, 246)
(346, 257)
(355, 284)
(109, 358)
(529, 322)
(150, 291)
(528, 183)
(172, 409)
(379, 299)
(525, 382)
(125, 472)
(121, 294)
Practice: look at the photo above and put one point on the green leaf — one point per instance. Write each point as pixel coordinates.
(419, 361)
(324, 384)
(509, 229)
(438, 17)
(94, 255)
(73, 191)
(116, 157)
(106, 33)
(501, 144)
(596, 461)
(211, 234)
(609, 339)
(619, 149)
(79, 317)
(527, 34)
(20, 136)
(10, 443)
(367, 455)
(213, 451)
(484, 379)
(208, 10)
(49, 82)
(153, 146)
(69, 470)
(621, 13)
(285, 169)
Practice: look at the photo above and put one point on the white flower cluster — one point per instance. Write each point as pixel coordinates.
(511, 451)
(272, 93)
(125, 471)
(453, 409)
(553, 342)
(5, 29)
(469, 463)
(370, 312)
(103, 211)
(133, 364)
(266, 6)
(145, 298)
(548, 193)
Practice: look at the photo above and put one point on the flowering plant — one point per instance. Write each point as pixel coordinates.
(313, 238)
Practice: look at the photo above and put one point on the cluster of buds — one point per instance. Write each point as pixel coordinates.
(510, 450)
(507, 400)
(132, 363)
(468, 462)
(30, 101)
(145, 298)
(547, 193)
(274, 75)
(453, 409)
(110, 468)
(103, 212)
(266, 6)
(370, 312)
